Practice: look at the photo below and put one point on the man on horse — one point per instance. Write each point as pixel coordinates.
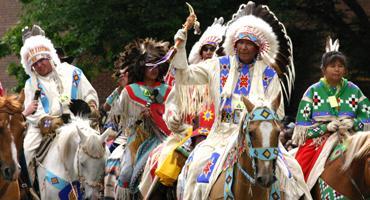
(52, 81)
(252, 45)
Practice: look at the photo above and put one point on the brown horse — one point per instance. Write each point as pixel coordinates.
(349, 174)
(12, 127)
(253, 176)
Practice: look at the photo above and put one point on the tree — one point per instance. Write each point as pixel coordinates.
(94, 31)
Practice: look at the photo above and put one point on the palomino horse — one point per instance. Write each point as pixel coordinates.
(347, 176)
(76, 155)
(12, 127)
(252, 176)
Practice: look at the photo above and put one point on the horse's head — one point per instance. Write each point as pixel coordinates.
(90, 160)
(12, 127)
(260, 130)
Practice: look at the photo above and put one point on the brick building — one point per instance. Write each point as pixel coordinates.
(9, 12)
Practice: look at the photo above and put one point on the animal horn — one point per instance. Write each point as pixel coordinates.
(191, 9)
(196, 24)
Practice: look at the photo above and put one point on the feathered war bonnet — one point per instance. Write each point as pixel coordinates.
(212, 36)
(35, 47)
(137, 54)
(260, 25)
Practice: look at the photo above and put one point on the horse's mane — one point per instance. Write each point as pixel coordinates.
(359, 146)
(11, 102)
(92, 144)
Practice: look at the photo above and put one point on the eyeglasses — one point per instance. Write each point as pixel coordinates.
(206, 48)
(37, 63)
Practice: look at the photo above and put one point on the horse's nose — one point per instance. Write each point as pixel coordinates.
(265, 180)
(8, 172)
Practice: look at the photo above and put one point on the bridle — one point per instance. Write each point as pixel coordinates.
(93, 184)
(261, 153)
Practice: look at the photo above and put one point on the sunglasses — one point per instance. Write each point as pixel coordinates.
(206, 48)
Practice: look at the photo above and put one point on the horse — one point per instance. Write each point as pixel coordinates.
(347, 176)
(76, 156)
(12, 127)
(253, 172)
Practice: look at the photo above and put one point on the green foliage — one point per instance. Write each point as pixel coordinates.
(95, 31)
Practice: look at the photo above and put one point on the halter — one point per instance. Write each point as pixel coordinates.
(82, 179)
(262, 153)
(259, 114)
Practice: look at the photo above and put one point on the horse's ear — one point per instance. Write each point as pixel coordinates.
(81, 134)
(276, 103)
(21, 96)
(249, 105)
(107, 133)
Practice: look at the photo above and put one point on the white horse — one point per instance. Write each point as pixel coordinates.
(76, 155)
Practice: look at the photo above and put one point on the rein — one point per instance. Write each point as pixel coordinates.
(262, 153)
